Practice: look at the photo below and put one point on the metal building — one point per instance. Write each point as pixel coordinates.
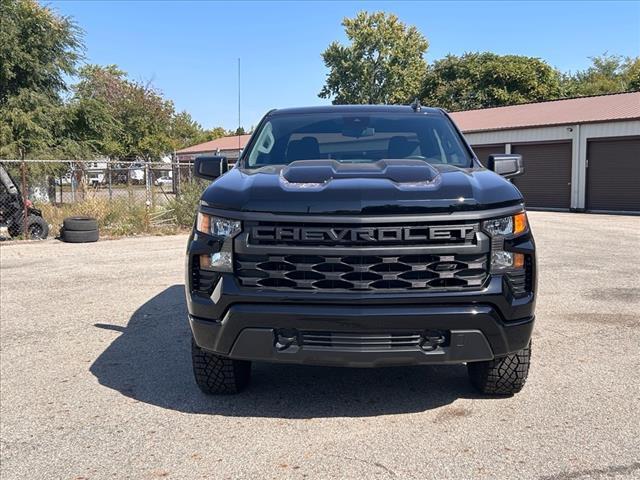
(229, 147)
(579, 153)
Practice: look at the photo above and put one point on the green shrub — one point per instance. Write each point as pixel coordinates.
(120, 217)
(183, 207)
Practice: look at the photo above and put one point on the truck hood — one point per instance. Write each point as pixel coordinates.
(383, 188)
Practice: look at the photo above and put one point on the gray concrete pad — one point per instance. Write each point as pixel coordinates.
(96, 378)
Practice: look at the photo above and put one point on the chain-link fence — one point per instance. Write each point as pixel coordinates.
(127, 198)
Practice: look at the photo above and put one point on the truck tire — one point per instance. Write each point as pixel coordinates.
(71, 236)
(37, 227)
(80, 224)
(215, 374)
(501, 376)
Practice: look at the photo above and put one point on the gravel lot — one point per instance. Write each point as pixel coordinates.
(96, 378)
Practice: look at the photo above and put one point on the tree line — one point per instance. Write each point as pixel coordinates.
(106, 113)
(383, 62)
(103, 113)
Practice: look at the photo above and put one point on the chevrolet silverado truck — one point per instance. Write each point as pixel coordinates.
(360, 236)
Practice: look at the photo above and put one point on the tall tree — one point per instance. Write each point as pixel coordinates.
(383, 62)
(37, 49)
(480, 80)
(185, 131)
(607, 74)
(141, 123)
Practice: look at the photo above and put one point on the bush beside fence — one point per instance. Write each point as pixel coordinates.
(127, 198)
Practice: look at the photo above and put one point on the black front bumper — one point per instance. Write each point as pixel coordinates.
(248, 332)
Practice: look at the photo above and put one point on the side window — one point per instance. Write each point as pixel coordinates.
(449, 148)
(443, 155)
(264, 144)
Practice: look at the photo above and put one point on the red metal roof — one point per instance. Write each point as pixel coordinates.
(223, 143)
(603, 108)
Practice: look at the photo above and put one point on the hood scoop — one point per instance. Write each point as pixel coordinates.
(306, 173)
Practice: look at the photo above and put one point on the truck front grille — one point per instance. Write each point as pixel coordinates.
(362, 272)
(360, 341)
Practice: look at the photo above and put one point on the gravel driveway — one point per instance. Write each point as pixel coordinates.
(96, 378)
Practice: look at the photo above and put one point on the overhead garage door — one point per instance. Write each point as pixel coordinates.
(546, 182)
(613, 175)
(483, 151)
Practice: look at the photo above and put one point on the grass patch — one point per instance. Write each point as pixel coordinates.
(121, 217)
(116, 218)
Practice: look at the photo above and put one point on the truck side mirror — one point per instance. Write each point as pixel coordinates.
(210, 168)
(506, 164)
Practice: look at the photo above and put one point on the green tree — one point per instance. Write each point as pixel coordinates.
(137, 122)
(217, 132)
(93, 125)
(37, 49)
(28, 122)
(185, 131)
(481, 80)
(237, 131)
(383, 62)
(633, 74)
(607, 74)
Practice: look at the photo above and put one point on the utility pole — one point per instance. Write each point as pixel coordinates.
(239, 124)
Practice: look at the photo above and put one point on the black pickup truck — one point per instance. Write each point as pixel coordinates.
(361, 236)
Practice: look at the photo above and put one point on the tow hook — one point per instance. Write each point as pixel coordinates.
(285, 338)
(431, 340)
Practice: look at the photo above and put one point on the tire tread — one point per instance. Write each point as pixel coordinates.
(80, 224)
(72, 236)
(215, 374)
(501, 376)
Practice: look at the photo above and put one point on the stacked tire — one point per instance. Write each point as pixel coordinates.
(79, 230)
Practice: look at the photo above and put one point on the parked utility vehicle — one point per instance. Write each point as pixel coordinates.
(12, 212)
(361, 236)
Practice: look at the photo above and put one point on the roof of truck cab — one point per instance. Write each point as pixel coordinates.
(356, 109)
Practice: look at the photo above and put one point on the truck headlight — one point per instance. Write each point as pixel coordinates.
(224, 229)
(506, 226)
(221, 261)
(217, 226)
(503, 260)
(498, 229)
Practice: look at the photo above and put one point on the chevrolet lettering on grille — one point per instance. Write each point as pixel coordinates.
(360, 235)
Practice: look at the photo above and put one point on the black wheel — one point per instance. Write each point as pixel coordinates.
(501, 376)
(15, 230)
(36, 226)
(215, 374)
(80, 224)
(72, 236)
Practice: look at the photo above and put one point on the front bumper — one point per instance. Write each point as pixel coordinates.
(249, 332)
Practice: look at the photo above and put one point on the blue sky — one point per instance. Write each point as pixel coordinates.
(190, 49)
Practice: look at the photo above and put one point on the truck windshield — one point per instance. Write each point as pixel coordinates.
(356, 139)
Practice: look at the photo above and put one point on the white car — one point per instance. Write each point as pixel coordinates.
(163, 181)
